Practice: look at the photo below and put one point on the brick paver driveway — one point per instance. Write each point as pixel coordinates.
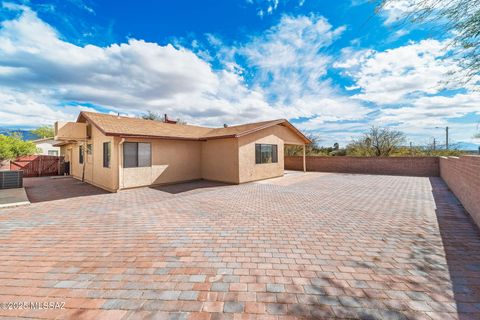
(309, 246)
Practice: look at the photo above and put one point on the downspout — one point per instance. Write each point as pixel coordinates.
(120, 164)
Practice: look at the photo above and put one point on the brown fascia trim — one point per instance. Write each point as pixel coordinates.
(121, 135)
(241, 134)
(139, 136)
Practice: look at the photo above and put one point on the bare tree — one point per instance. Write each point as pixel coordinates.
(151, 115)
(310, 149)
(379, 142)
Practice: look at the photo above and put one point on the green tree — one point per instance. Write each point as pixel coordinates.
(377, 142)
(45, 131)
(460, 18)
(13, 146)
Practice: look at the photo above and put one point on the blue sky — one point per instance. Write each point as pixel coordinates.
(332, 68)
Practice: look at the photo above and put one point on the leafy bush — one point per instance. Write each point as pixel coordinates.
(12, 147)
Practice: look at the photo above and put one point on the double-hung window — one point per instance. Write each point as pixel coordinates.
(266, 153)
(137, 154)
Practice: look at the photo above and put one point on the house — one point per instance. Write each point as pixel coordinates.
(46, 146)
(114, 152)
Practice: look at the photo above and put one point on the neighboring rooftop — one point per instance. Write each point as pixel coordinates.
(125, 126)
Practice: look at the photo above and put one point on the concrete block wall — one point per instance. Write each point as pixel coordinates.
(404, 166)
(462, 175)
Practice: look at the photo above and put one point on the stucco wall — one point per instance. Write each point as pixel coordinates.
(95, 173)
(219, 160)
(229, 160)
(404, 166)
(172, 161)
(70, 130)
(462, 175)
(248, 169)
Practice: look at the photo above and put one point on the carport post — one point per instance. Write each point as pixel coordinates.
(304, 161)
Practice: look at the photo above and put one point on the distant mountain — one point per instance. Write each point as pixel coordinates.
(467, 146)
(26, 135)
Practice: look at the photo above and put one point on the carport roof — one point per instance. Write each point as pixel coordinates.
(113, 125)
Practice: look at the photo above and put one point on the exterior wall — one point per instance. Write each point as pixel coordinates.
(219, 160)
(172, 161)
(95, 173)
(70, 130)
(248, 169)
(229, 160)
(404, 166)
(47, 146)
(462, 175)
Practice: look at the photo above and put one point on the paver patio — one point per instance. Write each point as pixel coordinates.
(312, 246)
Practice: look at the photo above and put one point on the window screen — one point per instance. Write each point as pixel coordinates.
(130, 154)
(144, 155)
(266, 153)
(136, 154)
(106, 154)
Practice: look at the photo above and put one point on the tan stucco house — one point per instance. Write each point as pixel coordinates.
(114, 152)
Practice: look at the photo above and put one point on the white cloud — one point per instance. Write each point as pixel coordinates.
(395, 11)
(129, 77)
(412, 87)
(45, 73)
(433, 110)
(394, 75)
(291, 69)
(268, 7)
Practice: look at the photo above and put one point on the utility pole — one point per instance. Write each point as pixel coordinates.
(446, 137)
(434, 144)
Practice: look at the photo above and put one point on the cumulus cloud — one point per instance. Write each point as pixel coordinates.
(291, 69)
(42, 74)
(433, 110)
(411, 85)
(393, 75)
(128, 77)
(280, 73)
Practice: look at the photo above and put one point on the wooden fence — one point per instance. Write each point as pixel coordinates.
(38, 165)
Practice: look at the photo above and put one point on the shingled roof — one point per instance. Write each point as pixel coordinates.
(112, 125)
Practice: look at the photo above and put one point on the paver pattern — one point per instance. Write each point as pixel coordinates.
(314, 246)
